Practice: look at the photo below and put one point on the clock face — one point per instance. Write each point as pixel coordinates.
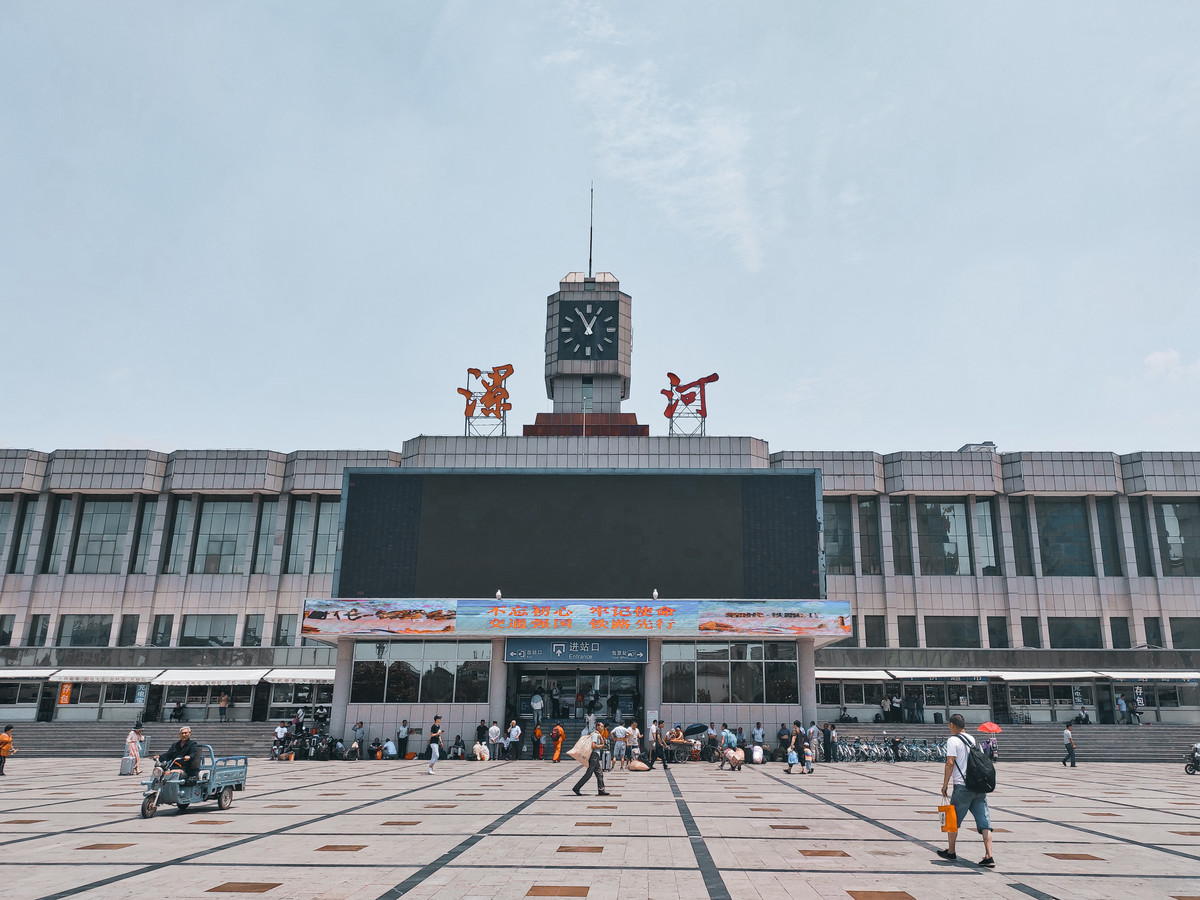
(587, 330)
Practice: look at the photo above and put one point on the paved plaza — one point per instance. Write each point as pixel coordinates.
(514, 829)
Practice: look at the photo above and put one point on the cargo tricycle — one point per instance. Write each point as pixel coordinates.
(217, 779)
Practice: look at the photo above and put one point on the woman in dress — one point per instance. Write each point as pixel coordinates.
(133, 747)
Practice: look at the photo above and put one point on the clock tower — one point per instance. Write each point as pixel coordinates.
(588, 343)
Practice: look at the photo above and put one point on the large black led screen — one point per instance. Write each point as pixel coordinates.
(555, 534)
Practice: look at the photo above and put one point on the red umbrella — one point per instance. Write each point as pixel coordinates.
(990, 728)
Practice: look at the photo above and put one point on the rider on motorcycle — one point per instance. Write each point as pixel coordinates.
(184, 751)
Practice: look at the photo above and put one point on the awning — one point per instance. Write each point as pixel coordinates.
(211, 676)
(920, 674)
(1156, 675)
(108, 676)
(1049, 675)
(300, 676)
(12, 673)
(853, 675)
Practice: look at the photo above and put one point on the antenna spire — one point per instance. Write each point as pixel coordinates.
(591, 219)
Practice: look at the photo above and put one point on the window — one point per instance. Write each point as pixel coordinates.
(434, 671)
(851, 641)
(852, 693)
(264, 543)
(100, 548)
(1018, 694)
(747, 671)
(1154, 635)
(875, 631)
(298, 536)
(368, 682)
(1031, 632)
(127, 636)
(144, 536)
(907, 628)
(901, 537)
(52, 560)
(285, 630)
(404, 677)
(1064, 537)
(943, 538)
(1119, 626)
(6, 629)
(471, 681)
(712, 673)
(84, 631)
(839, 537)
(207, 631)
(38, 630)
(1178, 536)
(987, 527)
(27, 509)
(1075, 633)
(1018, 515)
(177, 554)
(252, 630)
(1110, 536)
(935, 694)
(952, 631)
(679, 681)
(868, 529)
(437, 681)
(20, 692)
(222, 537)
(997, 632)
(325, 549)
(1185, 632)
(829, 693)
(6, 508)
(1141, 537)
(746, 682)
(160, 634)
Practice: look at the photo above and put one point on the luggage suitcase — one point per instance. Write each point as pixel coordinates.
(757, 755)
(127, 765)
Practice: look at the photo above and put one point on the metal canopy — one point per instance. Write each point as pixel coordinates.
(918, 674)
(211, 676)
(1050, 675)
(300, 676)
(12, 673)
(108, 676)
(1151, 675)
(853, 675)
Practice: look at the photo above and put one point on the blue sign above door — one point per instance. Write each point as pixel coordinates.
(549, 650)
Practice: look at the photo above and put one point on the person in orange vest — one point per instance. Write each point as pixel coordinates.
(556, 735)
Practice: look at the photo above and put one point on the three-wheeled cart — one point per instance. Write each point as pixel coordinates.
(216, 780)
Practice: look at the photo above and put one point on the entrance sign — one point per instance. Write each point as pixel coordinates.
(567, 619)
(575, 651)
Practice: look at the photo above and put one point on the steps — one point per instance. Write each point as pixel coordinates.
(72, 740)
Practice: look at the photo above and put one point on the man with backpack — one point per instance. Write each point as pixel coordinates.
(973, 777)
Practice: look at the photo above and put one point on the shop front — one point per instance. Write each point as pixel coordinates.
(21, 692)
(194, 695)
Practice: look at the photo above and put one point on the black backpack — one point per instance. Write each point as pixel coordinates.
(980, 774)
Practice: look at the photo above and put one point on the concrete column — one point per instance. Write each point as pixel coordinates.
(1094, 529)
(887, 561)
(856, 535)
(973, 539)
(38, 523)
(497, 683)
(343, 673)
(158, 538)
(914, 544)
(1035, 542)
(251, 544)
(806, 647)
(652, 690)
(7, 539)
(1128, 552)
(1008, 554)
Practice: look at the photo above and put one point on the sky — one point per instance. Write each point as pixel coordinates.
(886, 226)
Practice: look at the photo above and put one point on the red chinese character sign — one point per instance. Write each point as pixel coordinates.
(687, 407)
(486, 401)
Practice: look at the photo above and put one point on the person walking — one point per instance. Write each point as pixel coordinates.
(1069, 743)
(1123, 707)
(6, 747)
(795, 746)
(435, 741)
(557, 734)
(808, 758)
(133, 747)
(660, 745)
(958, 752)
(402, 739)
(593, 766)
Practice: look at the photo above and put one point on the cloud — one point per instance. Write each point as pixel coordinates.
(1168, 365)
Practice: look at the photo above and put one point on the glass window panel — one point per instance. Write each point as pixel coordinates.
(952, 631)
(852, 693)
(223, 537)
(783, 683)
(977, 694)
(403, 681)
(1018, 514)
(27, 510)
(875, 631)
(298, 535)
(6, 629)
(1185, 632)
(8, 692)
(6, 509)
(38, 630)
(1061, 694)
(207, 631)
(52, 561)
(471, 681)
(437, 681)
(829, 693)
(1031, 632)
(177, 554)
(839, 537)
(115, 693)
(1154, 635)
(746, 682)
(712, 682)
(88, 693)
(381, 650)
(997, 632)
(907, 627)
(935, 695)
(1178, 523)
(679, 681)
(144, 535)
(474, 650)
(943, 537)
(100, 547)
(127, 636)
(367, 682)
(872, 694)
(252, 630)
(1110, 536)
(1064, 536)
(281, 693)
(869, 532)
(901, 537)
(325, 548)
(264, 542)
(160, 634)
(1018, 694)
(672, 650)
(1075, 633)
(957, 694)
(780, 650)
(987, 527)
(1119, 626)
(285, 630)
(706, 651)
(1141, 537)
(84, 631)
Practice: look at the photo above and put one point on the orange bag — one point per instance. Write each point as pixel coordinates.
(949, 818)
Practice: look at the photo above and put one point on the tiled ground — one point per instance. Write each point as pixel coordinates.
(380, 830)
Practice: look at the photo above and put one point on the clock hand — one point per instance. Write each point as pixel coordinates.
(588, 327)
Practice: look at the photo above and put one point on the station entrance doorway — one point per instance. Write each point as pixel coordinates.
(566, 694)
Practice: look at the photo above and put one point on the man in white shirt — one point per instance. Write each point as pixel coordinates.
(402, 739)
(494, 740)
(514, 740)
(619, 734)
(389, 750)
(958, 752)
(1069, 744)
(756, 734)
